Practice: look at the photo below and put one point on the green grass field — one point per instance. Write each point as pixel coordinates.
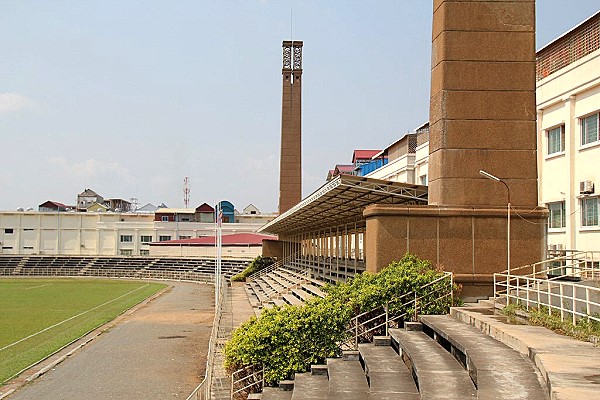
(39, 316)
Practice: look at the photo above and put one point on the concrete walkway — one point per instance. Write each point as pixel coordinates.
(570, 367)
(158, 352)
(236, 311)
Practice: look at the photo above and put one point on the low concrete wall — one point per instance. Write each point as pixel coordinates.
(471, 242)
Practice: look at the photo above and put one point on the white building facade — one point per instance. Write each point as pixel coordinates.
(568, 113)
(107, 234)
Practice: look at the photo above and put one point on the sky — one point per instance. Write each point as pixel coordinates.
(130, 97)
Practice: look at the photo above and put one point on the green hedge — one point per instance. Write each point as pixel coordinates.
(255, 265)
(287, 339)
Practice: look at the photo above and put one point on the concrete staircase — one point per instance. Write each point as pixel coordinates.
(280, 287)
(439, 358)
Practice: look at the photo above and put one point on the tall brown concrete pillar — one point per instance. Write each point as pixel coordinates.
(290, 168)
(482, 113)
(482, 117)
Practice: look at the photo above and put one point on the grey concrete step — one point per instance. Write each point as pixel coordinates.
(347, 379)
(312, 289)
(308, 386)
(279, 302)
(386, 372)
(498, 371)
(438, 375)
(291, 299)
(568, 365)
(271, 393)
(301, 294)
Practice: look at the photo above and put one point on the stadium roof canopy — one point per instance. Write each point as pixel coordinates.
(341, 201)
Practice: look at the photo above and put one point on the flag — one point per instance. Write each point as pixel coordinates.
(220, 218)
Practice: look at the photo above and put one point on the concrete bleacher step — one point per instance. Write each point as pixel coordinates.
(310, 386)
(498, 371)
(312, 289)
(291, 299)
(437, 373)
(271, 393)
(569, 367)
(387, 374)
(301, 294)
(347, 379)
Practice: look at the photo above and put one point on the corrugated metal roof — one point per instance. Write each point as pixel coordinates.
(363, 154)
(175, 211)
(343, 200)
(236, 239)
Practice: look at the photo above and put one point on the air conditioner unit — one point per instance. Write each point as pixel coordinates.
(586, 187)
(551, 247)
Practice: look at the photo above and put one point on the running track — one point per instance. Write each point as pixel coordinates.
(158, 352)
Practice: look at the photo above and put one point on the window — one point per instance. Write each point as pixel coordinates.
(556, 140)
(557, 218)
(145, 239)
(27, 247)
(164, 238)
(165, 218)
(9, 231)
(423, 180)
(144, 252)
(185, 237)
(589, 129)
(126, 238)
(589, 211)
(6, 247)
(126, 252)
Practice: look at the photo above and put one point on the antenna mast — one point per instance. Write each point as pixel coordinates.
(186, 192)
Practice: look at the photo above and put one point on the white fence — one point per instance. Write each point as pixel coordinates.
(567, 284)
(203, 391)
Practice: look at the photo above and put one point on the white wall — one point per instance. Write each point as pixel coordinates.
(563, 98)
(73, 233)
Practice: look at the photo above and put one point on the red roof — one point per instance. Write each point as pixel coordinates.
(205, 208)
(236, 239)
(363, 155)
(344, 168)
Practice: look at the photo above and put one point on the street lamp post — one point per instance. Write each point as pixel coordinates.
(494, 178)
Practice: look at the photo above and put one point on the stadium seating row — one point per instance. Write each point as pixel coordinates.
(119, 267)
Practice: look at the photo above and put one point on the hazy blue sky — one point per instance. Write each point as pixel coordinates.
(129, 97)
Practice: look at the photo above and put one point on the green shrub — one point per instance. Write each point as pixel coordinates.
(287, 339)
(257, 264)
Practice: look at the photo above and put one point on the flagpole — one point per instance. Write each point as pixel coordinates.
(219, 244)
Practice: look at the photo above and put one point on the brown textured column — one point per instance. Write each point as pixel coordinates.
(290, 169)
(482, 113)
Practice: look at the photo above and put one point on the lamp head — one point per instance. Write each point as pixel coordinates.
(488, 175)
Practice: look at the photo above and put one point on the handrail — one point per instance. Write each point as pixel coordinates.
(532, 291)
(360, 329)
(272, 267)
(571, 261)
(203, 390)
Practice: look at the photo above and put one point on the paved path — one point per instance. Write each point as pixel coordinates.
(158, 352)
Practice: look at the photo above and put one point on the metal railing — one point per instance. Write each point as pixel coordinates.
(361, 328)
(250, 379)
(566, 263)
(377, 321)
(277, 264)
(203, 390)
(554, 285)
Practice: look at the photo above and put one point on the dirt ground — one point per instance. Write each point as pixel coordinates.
(158, 351)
